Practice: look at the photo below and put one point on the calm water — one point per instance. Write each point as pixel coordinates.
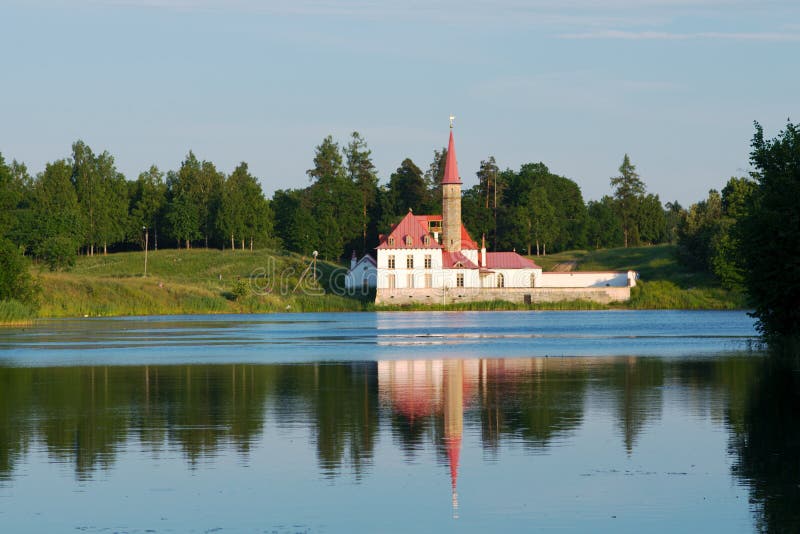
(583, 421)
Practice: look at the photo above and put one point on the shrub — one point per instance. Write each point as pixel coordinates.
(58, 252)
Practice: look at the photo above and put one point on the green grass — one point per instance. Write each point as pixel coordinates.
(664, 283)
(186, 282)
(15, 313)
(204, 281)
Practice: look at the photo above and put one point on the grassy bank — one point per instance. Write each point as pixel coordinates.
(14, 313)
(214, 281)
(188, 282)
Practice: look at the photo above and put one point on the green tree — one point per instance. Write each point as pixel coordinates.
(58, 221)
(361, 171)
(603, 227)
(244, 212)
(201, 185)
(148, 201)
(334, 206)
(769, 233)
(628, 192)
(102, 195)
(183, 219)
(15, 279)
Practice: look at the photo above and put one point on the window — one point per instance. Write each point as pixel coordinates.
(391, 261)
(365, 286)
(533, 280)
(459, 265)
(409, 240)
(410, 281)
(460, 280)
(429, 280)
(392, 283)
(391, 241)
(501, 282)
(426, 240)
(409, 262)
(428, 261)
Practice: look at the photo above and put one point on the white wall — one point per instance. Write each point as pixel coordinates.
(364, 270)
(588, 279)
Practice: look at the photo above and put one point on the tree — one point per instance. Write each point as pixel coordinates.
(57, 218)
(769, 233)
(201, 185)
(102, 195)
(183, 219)
(628, 192)
(603, 228)
(244, 212)
(336, 217)
(148, 201)
(15, 279)
(362, 173)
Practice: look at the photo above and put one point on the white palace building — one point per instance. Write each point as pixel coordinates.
(432, 259)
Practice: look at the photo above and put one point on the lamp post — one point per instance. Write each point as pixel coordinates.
(146, 239)
(315, 253)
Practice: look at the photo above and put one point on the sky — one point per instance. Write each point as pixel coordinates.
(576, 84)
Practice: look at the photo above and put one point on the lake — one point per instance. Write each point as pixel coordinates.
(616, 421)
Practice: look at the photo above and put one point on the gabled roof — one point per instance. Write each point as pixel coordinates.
(508, 260)
(413, 226)
(450, 165)
(456, 260)
(367, 258)
(416, 226)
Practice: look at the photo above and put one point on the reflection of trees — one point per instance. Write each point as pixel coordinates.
(83, 414)
(536, 399)
(768, 448)
(637, 386)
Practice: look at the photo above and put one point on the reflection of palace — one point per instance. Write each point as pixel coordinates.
(425, 388)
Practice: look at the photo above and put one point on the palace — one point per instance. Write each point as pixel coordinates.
(433, 259)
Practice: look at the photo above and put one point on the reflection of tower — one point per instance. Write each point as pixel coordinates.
(453, 420)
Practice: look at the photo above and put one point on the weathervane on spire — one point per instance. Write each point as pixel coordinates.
(452, 118)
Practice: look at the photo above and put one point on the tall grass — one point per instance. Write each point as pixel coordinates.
(15, 313)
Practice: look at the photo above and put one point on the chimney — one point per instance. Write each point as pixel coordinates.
(483, 251)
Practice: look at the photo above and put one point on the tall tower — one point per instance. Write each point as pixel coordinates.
(451, 199)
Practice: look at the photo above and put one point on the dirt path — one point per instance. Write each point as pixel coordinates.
(565, 266)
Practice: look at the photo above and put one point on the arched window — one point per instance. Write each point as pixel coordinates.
(533, 280)
(458, 265)
(409, 240)
(501, 282)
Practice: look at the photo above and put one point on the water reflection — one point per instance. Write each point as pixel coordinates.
(91, 417)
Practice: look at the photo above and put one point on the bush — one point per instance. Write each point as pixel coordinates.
(58, 252)
(15, 280)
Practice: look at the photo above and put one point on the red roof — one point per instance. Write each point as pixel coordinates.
(450, 165)
(508, 260)
(449, 260)
(416, 226)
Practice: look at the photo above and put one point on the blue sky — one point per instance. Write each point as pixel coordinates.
(572, 83)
